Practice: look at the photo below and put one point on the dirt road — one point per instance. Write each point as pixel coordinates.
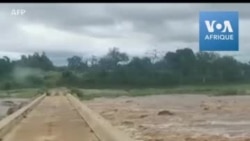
(53, 119)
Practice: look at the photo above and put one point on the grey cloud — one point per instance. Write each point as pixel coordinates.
(60, 57)
(135, 28)
(151, 18)
(66, 15)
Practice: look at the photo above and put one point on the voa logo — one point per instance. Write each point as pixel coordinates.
(224, 28)
(218, 31)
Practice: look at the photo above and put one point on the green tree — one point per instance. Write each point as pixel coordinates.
(112, 59)
(75, 63)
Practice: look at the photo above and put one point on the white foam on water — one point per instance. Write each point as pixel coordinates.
(229, 122)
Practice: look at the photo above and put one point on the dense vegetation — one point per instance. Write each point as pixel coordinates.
(117, 69)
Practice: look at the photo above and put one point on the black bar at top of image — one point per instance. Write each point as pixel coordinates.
(121, 1)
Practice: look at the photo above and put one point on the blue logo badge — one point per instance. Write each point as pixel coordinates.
(219, 31)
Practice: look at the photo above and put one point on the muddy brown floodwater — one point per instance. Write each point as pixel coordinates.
(178, 117)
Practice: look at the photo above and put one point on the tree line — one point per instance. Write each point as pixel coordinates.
(118, 69)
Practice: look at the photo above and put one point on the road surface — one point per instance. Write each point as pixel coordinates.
(54, 119)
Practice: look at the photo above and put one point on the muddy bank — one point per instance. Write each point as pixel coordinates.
(7, 103)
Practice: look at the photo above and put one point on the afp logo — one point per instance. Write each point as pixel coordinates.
(219, 31)
(18, 12)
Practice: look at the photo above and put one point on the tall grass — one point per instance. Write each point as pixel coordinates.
(21, 93)
(222, 90)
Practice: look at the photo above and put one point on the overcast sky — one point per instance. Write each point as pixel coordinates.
(63, 30)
